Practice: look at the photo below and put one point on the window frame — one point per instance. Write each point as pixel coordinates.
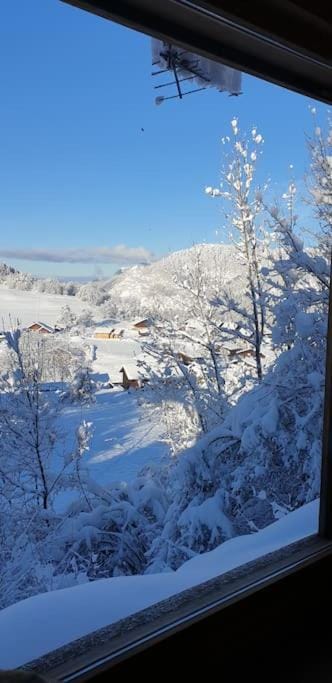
(194, 25)
(206, 28)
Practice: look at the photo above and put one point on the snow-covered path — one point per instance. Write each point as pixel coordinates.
(111, 355)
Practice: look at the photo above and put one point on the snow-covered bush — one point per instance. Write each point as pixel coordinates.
(85, 319)
(82, 387)
(67, 319)
(37, 462)
(113, 538)
(93, 293)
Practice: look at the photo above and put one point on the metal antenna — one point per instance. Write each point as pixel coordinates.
(179, 66)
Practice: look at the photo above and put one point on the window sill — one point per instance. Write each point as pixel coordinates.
(86, 657)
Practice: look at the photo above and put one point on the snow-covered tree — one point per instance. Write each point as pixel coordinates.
(300, 276)
(85, 318)
(67, 318)
(237, 188)
(184, 359)
(82, 387)
(30, 434)
(38, 460)
(320, 181)
(182, 389)
(93, 293)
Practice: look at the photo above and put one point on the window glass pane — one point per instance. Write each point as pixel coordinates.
(164, 291)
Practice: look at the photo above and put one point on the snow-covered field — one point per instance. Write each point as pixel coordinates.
(111, 355)
(38, 625)
(124, 440)
(31, 306)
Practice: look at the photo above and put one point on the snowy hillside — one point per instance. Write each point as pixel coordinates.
(141, 290)
(29, 306)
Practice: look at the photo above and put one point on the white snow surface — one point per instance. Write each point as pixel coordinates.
(123, 441)
(112, 354)
(42, 623)
(31, 306)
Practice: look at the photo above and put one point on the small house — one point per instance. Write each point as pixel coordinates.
(41, 328)
(130, 379)
(108, 333)
(116, 333)
(143, 325)
(102, 333)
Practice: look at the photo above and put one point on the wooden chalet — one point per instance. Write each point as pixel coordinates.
(143, 326)
(42, 328)
(130, 379)
(109, 333)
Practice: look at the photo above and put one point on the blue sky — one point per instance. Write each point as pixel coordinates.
(77, 172)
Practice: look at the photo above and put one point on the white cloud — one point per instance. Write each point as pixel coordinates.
(120, 253)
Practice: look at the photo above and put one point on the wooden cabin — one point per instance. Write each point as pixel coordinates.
(116, 333)
(102, 334)
(142, 325)
(130, 380)
(41, 328)
(108, 333)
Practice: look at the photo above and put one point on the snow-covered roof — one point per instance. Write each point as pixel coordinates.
(116, 326)
(130, 370)
(145, 321)
(110, 328)
(45, 326)
(104, 328)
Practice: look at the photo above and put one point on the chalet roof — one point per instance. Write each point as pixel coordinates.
(130, 370)
(237, 349)
(104, 328)
(145, 321)
(45, 326)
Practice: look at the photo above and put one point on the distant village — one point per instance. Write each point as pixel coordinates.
(141, 329)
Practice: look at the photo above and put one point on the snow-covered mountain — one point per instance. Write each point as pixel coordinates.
(142, 290)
